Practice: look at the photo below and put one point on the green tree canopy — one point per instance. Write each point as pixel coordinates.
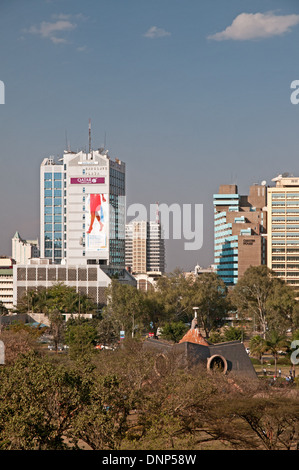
(59, 297)
(260, 295)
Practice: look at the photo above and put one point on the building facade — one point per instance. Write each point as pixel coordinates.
(6, 282)
(91, 280)
(24, 250)
(145, 247)
(283, 228)
(82, 209)
(240, 227)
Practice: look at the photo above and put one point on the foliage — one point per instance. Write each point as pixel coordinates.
(3, 309)
(80, 336)
(231, 333)
(38, 403)
(209, 294)
(59, 297)
(257, 346)
(56, 327)
(266, 298)
(125, 305)
(174, 331)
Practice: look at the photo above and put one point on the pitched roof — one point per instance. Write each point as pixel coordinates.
(194, 336)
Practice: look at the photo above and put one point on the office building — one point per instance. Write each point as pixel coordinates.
(91, 280)
(82, 226)
(240, 226)
(145, 247)
(82, 209)
(283, 228)
(24, 250)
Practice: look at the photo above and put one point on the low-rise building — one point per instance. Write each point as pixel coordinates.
(6, 282)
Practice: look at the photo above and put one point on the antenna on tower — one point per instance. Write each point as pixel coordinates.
(157, 213)
(89, 135)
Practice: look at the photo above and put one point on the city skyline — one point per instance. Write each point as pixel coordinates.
(189, 96)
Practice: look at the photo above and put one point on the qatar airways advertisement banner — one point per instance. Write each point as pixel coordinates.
(96, 222)
(88, 180)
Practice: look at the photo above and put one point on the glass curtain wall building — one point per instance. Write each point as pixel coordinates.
(240, 226)
(52, 210)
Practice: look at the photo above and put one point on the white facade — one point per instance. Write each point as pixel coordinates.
(24, 250)
(145, 248)
(6, 282)
(83, 209)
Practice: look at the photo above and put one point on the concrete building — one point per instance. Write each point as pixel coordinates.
(23, 250)
(197, 271)
(283, 228)
(6, 281)
(91, 280)
(82, 209)
(240, 227)
(145, 247)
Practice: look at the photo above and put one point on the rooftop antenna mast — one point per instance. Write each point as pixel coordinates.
(157, 213)
(68, 147)
(89, 136)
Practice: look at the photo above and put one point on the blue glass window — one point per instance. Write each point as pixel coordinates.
(48, 236)
(48, 210)
(48, 227)
(57, 184)
(57, 227)
(48, 218)
(48, 253)
(48, 184)
(48, 192)
(57, 218)
(57, 193)
(57, 210)
(57, 201)
(48, 202)
(57, 176)
(48, 176)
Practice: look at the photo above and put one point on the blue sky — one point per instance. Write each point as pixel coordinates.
(191, 94)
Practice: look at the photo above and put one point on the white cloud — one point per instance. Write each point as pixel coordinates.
(155, 32)
(50, 30)
(247, 26)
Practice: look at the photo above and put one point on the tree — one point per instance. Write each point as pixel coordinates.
(233, 334)
(59, 297)
(125, 305)
(174, 331)
(209, 294)
(275, 342)
(39, 401)
(56, 327)
(80, 336)
(257, 294)
(257, 347)
(173, 288)
(3, 309)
